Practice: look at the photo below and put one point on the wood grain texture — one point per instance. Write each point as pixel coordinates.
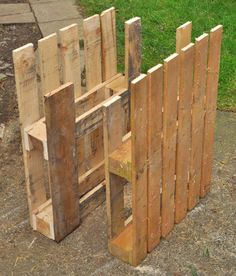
(184, 131)
(60, 124)
(155, 91)
(139, 154)
(183, 36)
(92, 51)
(70, 57)
(198, 113)
(171, 78)
(211, 100)
(109, 52)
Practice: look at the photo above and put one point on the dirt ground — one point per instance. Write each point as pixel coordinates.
(203, 244)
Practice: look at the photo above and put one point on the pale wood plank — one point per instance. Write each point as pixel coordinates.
(211, 100)
(184, 131)
(139, 154)
(198, 113)
(171, 78)
(155, 88)
(183, 36)
(70, 57)
(92, 51)
(60, 123)
(109, 52)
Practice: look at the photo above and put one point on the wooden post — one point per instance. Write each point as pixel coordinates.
(184, 131)
(198, 113)
(211, 99)
(155, 91)
(183, 36)
(62, 154)
(171, 79)
(28, 104)
(70, 57)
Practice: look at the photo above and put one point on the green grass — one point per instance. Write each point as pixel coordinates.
(160, 18)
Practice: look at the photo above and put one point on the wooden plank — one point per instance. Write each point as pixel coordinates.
(109, 52)
(198, 113)
(28, 104)
(132, 49)
(48, 63)
(211, 100)
(183, 36)
(155, 88)
(60, 123)
(114, 184)
(92, 51)
(171, 79)
(70, 57)
(184, 131)
(139, 96)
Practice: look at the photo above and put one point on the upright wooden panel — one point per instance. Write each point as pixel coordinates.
(60, 124)
(70, 57)
(198, 113)
(114, 185)
(132, 49)
(92, 51)
(48, 62)
(184, 131)
(139, 154)
(171, 78)
(211, 99)
(183, 36)
(109, 52)
(28, 104)
(155, 87)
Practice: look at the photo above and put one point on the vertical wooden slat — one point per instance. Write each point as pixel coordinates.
(211, 99)
(184, 131)
(70, 57)
(200, 73)
(155, 86)
(139, 96)
(60, 124)
(171, 76)
(114, 184)
(183, 36)
(28, 104)
(92, 51)
(48, 63)
(109, 52)
(132, 49)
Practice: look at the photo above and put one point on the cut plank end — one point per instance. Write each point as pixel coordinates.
(62, 87)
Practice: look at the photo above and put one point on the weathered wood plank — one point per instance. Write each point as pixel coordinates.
(198, 113)
(155, 88)
(211, 99)
(70, 57)
(171, 78)
(60, 124)
(184, 131)
(183, 36)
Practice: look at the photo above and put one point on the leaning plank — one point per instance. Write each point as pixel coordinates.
(48, 63)
(28, 104)
(183, 36)
(171, 75)
(132, 49)
(60, 123)
(198, 112)
(109, 53)
(92, 51)
(211, 97)
(70, 57)
(184, 131)
(155, 85)
(139, 154)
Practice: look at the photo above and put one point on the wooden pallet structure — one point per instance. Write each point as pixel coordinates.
(62, 122)
(167, 157)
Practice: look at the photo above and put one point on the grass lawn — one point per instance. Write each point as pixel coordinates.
(160, 18)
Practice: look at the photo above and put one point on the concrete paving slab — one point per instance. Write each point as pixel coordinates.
(17, 18)
(10, 9)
